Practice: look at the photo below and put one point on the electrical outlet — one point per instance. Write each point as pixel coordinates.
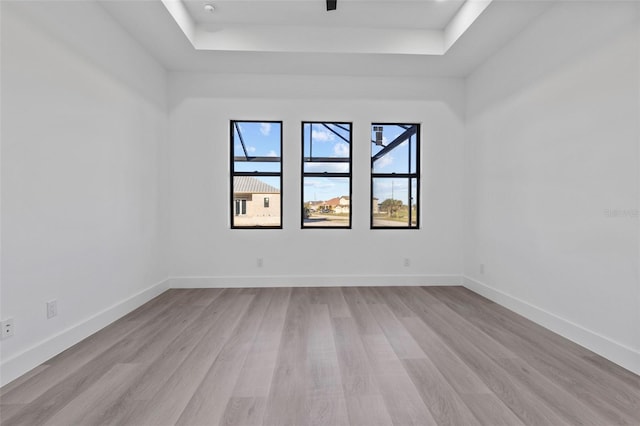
(259, 262)
(7, 328)
(407, 262)
(482, 268)
(52, 308)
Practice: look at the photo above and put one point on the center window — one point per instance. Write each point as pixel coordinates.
(326, 175)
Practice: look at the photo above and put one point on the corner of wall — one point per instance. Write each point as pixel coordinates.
(617, 352)
(21, 363)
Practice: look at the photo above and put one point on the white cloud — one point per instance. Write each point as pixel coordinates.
(265, 128)
(238, 149)
(386, 183)
(272, 153)
(326, 167)
(385, 188)
(318, 184)
(341, 149)
(384, 161)
(322, 136)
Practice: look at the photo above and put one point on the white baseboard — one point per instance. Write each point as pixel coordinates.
(28, 359)
(610, 349)
(313, 281)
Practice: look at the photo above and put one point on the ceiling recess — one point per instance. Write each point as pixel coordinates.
(244, 26)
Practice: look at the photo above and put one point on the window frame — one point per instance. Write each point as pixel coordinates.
(326, 174)
(234, 173)
(409, 176)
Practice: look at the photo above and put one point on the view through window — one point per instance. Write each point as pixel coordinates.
(326, 175)
(256, 171)
(395, 178)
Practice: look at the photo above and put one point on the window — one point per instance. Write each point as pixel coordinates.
(326, 175)
(395, 175)
(256, 174)
(241, 207)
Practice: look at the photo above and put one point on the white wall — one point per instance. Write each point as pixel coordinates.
(552, 160)
(84, 125)
(92, 164)
(205, 252)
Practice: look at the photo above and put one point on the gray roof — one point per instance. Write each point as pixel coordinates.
(251, 185)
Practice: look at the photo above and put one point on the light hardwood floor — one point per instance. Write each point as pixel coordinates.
(324, 356)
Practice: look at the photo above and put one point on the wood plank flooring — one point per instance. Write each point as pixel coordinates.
(323, 356)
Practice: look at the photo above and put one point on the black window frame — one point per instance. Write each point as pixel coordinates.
(233, 126)
(326, 174)
(409, 175)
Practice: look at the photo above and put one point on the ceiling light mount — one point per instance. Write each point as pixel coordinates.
(332, 5)
(209, 8)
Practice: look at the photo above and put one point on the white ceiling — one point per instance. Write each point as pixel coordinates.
(372, 37)
(429, 14)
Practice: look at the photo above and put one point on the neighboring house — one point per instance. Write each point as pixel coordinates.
(339, 204)
(375, 205)
(314, 205)
(255, 202)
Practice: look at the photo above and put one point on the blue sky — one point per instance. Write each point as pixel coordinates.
(325, 142)
(384, 188)
(397, 160)
(322, 142)
(261, 140)
(323, 189)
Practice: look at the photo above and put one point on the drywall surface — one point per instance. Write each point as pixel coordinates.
(551, 183)
(84, 125)
(205, 251)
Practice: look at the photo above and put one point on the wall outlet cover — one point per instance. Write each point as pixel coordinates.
(7, 328)
(52, 308)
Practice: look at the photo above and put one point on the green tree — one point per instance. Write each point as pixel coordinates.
(391, 206)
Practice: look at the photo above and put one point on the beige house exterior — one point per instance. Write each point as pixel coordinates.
(255, 203)
(340, 204)
(375, 206)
